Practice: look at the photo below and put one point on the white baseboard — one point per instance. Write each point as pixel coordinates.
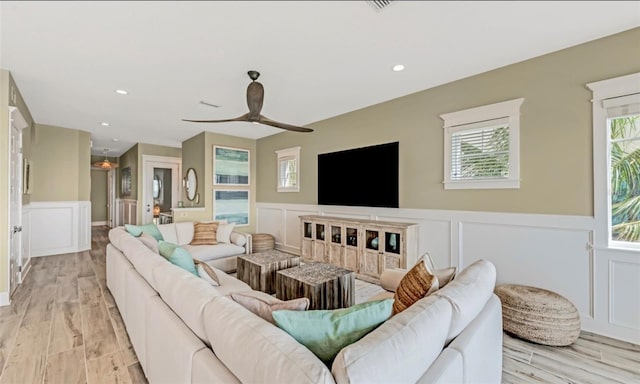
(4, 299)
(552, 252)
(99, 223)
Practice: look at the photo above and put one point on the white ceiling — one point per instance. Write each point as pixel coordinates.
(317, 59)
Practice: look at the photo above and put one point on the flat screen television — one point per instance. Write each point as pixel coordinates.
(366, 177)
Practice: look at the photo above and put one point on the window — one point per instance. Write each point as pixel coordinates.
(289, 170)
(616, 157)
(481, 147)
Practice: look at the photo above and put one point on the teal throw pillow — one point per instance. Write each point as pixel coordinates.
(326, 332)
(137, 230)
(178, 256)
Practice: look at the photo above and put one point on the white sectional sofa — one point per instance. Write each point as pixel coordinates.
(185, 330)
(222, 255)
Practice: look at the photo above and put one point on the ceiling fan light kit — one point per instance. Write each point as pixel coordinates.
(255, 98)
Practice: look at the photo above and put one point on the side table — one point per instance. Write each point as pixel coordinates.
(325, 285)
(259, 269)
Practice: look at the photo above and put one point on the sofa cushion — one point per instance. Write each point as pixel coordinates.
(238, 239)
(149, 241)
(416, 284)
(468, 294)
(256, 351)
(326, 332)
(178, 256)
(137, 230)
(444, 276)
(186, 295)
(223, 233)
(400, 350)
(207, 273)
(169, 232)
(265, 308)
(184, 232)
(212, 252)
(204, 234)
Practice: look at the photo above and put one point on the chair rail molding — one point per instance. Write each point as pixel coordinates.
(553, 252)
(58, 227)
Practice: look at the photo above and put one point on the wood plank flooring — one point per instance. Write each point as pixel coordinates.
(63, 327)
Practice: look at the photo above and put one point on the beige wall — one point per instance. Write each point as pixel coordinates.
(193, 156)
(128, 159)
(98, 195)
(8, 86)
(205, 181)
(60, 164)
(556, 133)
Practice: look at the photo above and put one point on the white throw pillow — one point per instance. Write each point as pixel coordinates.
(224, 233)
(238, 239)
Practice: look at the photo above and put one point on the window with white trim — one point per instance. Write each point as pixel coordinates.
(616, 161)
(482, 147)
(289, 169)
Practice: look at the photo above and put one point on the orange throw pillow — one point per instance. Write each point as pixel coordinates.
(205, 233)
(415, 285)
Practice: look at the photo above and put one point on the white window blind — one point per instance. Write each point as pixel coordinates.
(480, 151)
(288, 176)
(288, 170)
(482, 147)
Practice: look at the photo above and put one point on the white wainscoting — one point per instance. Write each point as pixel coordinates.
(57, 227)
(126, 212)
(26, 242)
(553, 252)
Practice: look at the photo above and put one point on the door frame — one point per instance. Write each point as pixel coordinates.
(176, 180)
(111, 198)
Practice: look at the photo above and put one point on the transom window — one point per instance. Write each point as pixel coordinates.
(482, 147)
(289, 170)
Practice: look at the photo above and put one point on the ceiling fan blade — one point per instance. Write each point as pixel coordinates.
(244, 117)
(268, 121)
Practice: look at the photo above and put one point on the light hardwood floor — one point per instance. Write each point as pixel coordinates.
(63, 327)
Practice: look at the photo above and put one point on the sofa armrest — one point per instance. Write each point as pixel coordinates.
(238, 238)
(390, 278)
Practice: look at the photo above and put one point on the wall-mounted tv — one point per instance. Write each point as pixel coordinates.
(366, 177)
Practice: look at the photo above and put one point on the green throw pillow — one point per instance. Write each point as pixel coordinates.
(326, 332)
(178, 256)
(137, 230)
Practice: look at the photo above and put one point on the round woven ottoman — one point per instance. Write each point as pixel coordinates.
(262, 242)
(538, 315)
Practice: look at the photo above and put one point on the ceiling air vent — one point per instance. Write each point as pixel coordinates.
(378, 5)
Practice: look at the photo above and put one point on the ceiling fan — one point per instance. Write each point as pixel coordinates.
(255, 97)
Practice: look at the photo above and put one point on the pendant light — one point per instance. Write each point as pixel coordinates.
(105, 164)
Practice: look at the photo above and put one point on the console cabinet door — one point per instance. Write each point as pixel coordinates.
(306, 251)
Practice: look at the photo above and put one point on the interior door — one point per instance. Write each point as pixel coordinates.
(111, 198)
(15, 200)
(161, 186)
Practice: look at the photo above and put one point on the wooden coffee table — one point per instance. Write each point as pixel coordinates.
(259, 269)
(325, 285)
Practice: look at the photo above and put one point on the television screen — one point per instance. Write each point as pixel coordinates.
(366, 177)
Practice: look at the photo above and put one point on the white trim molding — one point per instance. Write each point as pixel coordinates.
(616, 275)
(471, 123)
(553, 252)
(4, 299)
(58, 227)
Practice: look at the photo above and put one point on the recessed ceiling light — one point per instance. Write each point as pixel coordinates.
(398, 68)
(115, 140)
(104, 124)
(255, 122)
(121, 92)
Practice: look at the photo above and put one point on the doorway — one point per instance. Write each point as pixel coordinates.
(16, 124)
(161, 187)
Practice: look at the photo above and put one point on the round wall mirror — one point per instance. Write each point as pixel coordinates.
(191, 184)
